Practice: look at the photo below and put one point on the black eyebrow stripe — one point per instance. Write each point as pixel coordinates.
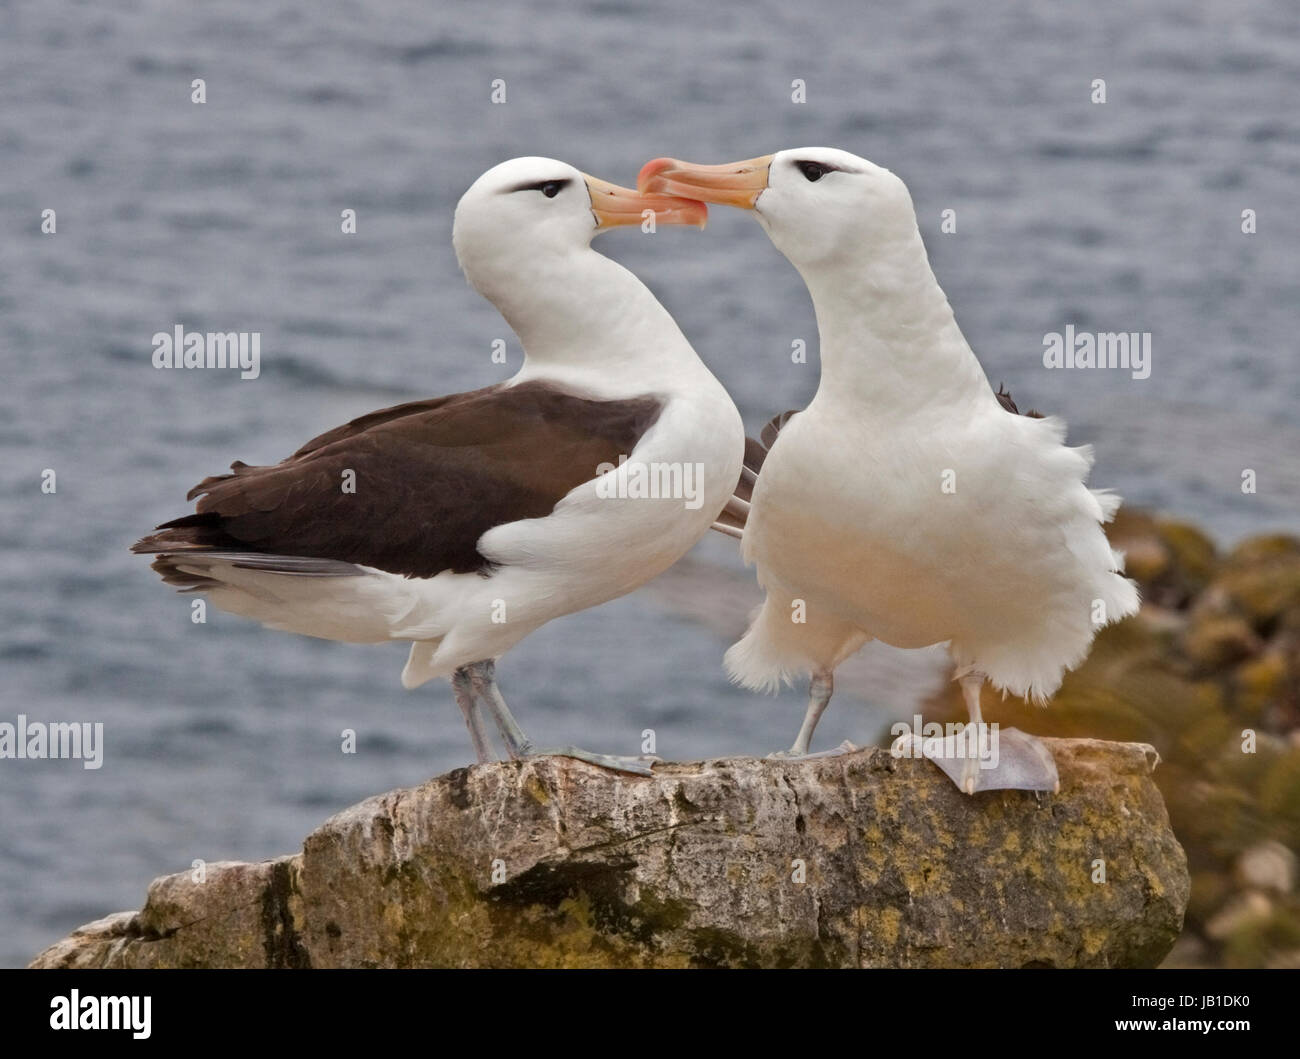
(825, 165)
(564, 182)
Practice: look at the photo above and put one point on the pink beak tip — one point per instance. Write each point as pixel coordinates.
(651, 170)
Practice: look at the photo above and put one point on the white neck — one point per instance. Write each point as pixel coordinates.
(582, 315)
(889, 339)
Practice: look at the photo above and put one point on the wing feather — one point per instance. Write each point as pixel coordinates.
(411, 489)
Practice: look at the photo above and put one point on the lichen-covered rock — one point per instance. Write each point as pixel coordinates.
(1173, 561)
(1261, 577)
(852, 861)
(229, 914)
(1214, 642)
(1208, 672)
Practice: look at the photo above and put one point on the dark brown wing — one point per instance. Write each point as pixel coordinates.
(731, 521)
(430, 478)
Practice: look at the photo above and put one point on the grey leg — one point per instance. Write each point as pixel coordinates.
(462, 687)
(820, 689)
(971, 685)
(484, 682)
(483, 679)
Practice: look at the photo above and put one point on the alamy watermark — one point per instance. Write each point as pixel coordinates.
(1126, 350)
(652, 481)
(76, 1012)
(179, 348)
(952, 741)
(57, 740)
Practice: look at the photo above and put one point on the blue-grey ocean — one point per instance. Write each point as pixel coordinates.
(222, 740)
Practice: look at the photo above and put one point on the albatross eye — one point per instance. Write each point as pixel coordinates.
(814, 171)
(549, 188)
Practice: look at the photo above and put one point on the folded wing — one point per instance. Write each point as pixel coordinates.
(409, 489)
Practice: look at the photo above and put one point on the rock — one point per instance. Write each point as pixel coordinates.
(237, 916)
(1241, 911)
(1264, 548)
(1261, 682)
(1189, 951)
(1172, 561)
(1147, 558)
(1214, 642)
(1279, 794)
(1162, 622)
(1262, 579)
(1209, 674)
(1192, 551)
(859, 860)
(1210, 890)
(1267, 866)
(91, 945)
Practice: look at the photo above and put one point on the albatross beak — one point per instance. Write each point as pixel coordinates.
(615, 207)
(734, 184)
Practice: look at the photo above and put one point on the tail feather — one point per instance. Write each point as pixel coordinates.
(189, 533)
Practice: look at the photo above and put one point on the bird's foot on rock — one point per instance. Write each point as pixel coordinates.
(1002, 759)
(1023, 764)
(637, 765)
(794, 754)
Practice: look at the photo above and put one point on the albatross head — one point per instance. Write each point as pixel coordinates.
(820, 206)
(528, 213)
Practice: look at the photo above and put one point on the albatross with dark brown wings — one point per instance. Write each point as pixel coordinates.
(473, 519)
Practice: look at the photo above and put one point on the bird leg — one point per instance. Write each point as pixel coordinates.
(971, 686)
(462, 687)
(989, 757)
(483, 680)
(820, 689)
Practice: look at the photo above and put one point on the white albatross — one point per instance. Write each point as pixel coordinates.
(476, 518)
(906, 503)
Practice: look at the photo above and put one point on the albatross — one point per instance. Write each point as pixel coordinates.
(472, 519)
(908, 502)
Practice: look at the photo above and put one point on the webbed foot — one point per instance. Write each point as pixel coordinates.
(1000, 759)
(794, 754)
(637, 765)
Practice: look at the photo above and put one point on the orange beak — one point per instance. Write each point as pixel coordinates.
(734, 184)
(617, 207)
